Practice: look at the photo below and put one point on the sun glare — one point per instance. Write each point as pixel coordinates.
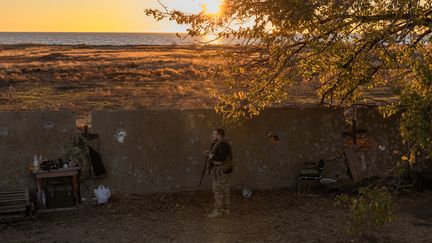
(211, 6)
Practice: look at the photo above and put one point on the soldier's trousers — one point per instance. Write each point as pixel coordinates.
(221, 190)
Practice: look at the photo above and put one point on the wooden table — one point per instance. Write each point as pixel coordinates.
(46, 175)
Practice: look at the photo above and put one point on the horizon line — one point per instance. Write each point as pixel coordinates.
(102, 32)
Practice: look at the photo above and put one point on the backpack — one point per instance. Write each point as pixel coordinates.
(228, 166)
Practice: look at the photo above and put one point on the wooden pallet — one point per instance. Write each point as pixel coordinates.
(354, 164)
(15, 205)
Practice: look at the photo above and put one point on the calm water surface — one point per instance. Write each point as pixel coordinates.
(116, 39)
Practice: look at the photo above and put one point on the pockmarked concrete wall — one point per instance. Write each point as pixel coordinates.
(383, 138)
(161, 150)
(24, 134)
(149, 151)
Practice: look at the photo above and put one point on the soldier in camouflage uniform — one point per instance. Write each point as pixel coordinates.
(77, 152)
(220, 156)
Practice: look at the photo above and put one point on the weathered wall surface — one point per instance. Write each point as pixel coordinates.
(23, 134)
(383, 137)
(161, 151)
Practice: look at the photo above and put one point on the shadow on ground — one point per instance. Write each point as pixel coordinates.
(268, 216)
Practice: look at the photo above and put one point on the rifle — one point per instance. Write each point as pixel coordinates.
(203, 172)
(205, 166)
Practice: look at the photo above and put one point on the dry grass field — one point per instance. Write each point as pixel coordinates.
(83, 78)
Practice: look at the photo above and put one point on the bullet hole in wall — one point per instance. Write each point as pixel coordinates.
(49, 125)
(274, 138)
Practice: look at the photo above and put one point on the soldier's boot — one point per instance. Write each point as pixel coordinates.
(216, 213)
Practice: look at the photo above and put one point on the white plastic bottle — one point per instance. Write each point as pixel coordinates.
(35, 161)
(43, 199)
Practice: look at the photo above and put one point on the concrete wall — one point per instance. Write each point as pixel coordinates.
(383, 136)
(23, 134)
(162, 150)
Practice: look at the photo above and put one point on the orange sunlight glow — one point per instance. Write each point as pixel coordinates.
(211, 7)
(95, 15)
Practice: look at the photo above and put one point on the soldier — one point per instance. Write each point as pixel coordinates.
(220, 157)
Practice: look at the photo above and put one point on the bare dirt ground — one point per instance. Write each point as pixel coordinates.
(268, 216)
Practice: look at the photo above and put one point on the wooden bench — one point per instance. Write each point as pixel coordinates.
(15, 205)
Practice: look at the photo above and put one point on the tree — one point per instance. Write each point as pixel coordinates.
(348, 46)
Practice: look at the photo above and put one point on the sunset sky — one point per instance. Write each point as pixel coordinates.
(91, 15)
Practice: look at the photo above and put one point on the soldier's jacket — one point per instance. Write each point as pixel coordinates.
(222, 157)
(221, 151)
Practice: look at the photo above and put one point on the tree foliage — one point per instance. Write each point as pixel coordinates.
(347, 46)
(371, 209)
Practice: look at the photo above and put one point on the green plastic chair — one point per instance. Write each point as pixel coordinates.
(309, 177)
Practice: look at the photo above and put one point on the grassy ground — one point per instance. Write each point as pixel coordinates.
(270, 216)
(84, 78)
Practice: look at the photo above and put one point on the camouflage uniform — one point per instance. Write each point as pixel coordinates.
(221, 151)
(220, 188)
(78, 153)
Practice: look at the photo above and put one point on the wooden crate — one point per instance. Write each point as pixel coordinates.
(15, 205)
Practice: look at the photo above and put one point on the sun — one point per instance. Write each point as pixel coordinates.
(211, 7)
